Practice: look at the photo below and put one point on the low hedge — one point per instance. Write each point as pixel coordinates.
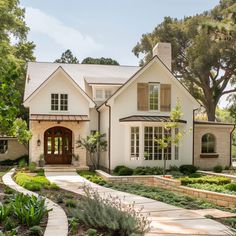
(141, 170)
(187, 169)
(206, 180)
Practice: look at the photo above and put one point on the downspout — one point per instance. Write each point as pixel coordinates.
(99, 132)
(193, 134)
(231, 137)
(109, 138)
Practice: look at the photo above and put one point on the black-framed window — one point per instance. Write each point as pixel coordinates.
(208, 143)
(64, 102)
(54, 101)
(3, 146)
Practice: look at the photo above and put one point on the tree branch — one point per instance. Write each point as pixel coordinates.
(229, 91)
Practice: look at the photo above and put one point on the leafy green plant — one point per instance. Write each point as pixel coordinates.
(187, 169)
(32, 166)
(231, 187)
(29, 210)
(73, 225)
(92, 232)
(70, 203)
(195, 175)
(140, 170)
(125, 171)
(220, 180)
(5, 210)
(173, 168)
(36, 230)
(8, 190)
(108, 214)
(117, 169)
(9, 224)
(218, 169)
(22, 163)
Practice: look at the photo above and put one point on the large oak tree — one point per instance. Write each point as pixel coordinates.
(203, 50)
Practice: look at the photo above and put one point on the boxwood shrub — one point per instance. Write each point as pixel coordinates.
(187, 169)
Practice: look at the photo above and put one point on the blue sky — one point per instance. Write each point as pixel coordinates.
(100, 28)
(96, 28)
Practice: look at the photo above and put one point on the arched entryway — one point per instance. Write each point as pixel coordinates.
(58, 145)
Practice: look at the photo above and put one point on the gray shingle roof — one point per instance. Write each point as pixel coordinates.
(38, 72)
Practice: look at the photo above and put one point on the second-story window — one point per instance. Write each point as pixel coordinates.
(64, 102)
(153, 96)
(59, 102)
(54, 101)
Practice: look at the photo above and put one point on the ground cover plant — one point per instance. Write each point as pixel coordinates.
(34, 182)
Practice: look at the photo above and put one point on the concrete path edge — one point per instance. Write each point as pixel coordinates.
(57, 220)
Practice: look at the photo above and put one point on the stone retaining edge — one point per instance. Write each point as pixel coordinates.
(233, 177)
(57, 224)
(219, 199)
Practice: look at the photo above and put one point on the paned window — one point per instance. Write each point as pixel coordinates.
(134, 143)
(153, 96)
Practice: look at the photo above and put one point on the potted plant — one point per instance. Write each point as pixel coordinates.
(41, 160)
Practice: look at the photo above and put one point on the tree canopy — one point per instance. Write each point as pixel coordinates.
(203, 50)
(13, 58)
(100, 61)
(67, 57)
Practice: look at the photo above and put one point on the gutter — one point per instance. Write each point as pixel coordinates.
(231, 136)
(109, 138)
(193, 135)
(99, 132)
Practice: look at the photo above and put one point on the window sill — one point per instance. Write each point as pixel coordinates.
(209, 155)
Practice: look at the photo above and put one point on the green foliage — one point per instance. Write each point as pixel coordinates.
(91, 176)
(231, 187)
(70, 203)
(202, 46)
(20, 131)
(100, 61)
(36, 230)
(67, 57)
(32, 166)
(9, 224)
(5, 210)
(218, 169)
(195, 175)
(33, 183)
(140, 170)
(73, 226)
(187, 169)
(8, 190)
(173, 168)
(94, 144)
(29, 210)
(219, 180)
(22, 163)
(117, 169)
(109, 215)
(92, 232)
(125, 171)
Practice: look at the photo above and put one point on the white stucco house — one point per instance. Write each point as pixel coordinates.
(129, 104)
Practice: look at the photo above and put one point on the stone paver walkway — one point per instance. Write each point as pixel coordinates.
(57, 224)
(165, 219)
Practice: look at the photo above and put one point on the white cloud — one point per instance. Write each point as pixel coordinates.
(65, 36)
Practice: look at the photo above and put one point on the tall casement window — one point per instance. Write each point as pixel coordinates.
(3, 146)
(59, 102)
(153, 96)
(64, 102)
(152, 150)
(134, 145)
(208, 143)
(54, 102)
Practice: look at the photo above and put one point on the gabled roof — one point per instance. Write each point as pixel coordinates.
(140, 71)
(38, 72)
(50, 77)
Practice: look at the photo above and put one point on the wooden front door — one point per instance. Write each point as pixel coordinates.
(58, 145)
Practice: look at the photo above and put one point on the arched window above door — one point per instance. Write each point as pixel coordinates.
(208, 143)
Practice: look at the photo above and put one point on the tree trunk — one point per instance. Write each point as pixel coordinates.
(211, 111)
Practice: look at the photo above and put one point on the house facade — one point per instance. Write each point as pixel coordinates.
(129, 104)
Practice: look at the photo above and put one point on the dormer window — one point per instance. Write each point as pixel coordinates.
(102, 94)
(57, 99)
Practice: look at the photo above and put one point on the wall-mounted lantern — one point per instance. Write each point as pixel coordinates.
(38, 141)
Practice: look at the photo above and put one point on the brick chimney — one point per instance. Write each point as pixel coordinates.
(163, 51)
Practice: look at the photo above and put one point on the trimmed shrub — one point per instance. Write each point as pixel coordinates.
(218, 169)
(195, 175)
(141, 170)
(22, 163)
(32, 166)
(231, 187)
(125, 171)
(117, 169)
(173, 168)
(205, 180)
(187, 169)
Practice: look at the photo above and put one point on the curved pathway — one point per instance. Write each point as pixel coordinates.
(166, 220)
(57, 224)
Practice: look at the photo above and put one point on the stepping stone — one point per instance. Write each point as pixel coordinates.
(215, 213)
